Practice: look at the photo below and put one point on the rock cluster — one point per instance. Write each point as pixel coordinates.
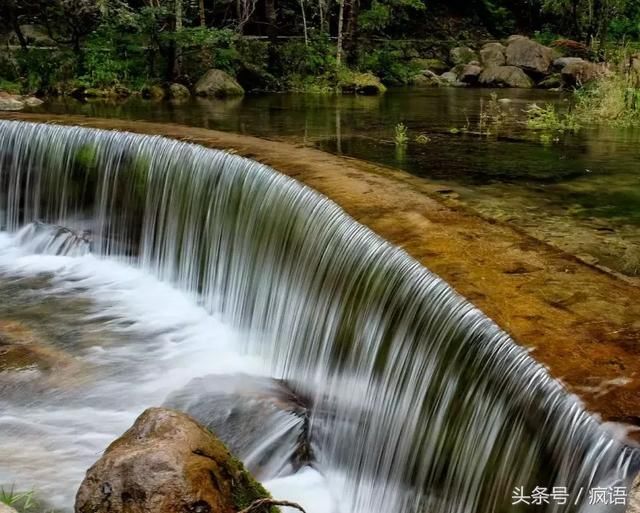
(16, 102)
(520, 62)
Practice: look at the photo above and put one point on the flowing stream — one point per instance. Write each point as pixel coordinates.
(198, 262)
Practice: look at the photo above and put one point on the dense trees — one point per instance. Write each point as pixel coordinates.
(275, 43)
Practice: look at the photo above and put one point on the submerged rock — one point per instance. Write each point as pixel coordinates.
(21, 348)
(505, 76)
(530, 56)
(166, 463)
(260, 419)
(219, 84)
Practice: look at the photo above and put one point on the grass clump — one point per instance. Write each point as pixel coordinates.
(613, 100)
(24, 502)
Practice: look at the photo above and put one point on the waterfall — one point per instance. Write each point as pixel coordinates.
(420, 402)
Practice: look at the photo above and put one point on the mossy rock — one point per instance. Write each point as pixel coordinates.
(435, 65)
(178, 92)
(153, 92)
(218, 84)
(360, 83)
(198, 472)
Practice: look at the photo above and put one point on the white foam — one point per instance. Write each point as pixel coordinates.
(172, 340)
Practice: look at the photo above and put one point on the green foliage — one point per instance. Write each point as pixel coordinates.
(10, 87)
(383, 13)
(297, 59)
(205, 48)
(389, 62)
(499, 18)
(613, 100)
(114, 53)
(42, 69)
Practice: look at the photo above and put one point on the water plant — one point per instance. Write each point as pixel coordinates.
(401, 134)
(548, 118)
(423, 139)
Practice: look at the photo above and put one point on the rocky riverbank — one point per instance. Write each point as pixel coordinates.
(517, 62)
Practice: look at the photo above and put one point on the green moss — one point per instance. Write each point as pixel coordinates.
(247, 490)
(359, 83)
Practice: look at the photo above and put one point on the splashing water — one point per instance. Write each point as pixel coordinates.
(420, 402)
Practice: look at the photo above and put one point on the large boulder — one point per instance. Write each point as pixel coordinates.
(493, 54)
(260, 419)
(532, 57)
(10, 102)
(462, 55)
(167, 463)
(219, 84)
(505, 76)
(470, 74)
(153, 92)
(178, 92)
(581, 72)
(32, 101)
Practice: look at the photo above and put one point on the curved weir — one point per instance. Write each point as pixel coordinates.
(420, 403)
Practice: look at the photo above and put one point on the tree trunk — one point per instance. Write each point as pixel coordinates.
(351, 29)
(271, 17)
(203, 21)
(18, 31)
(304, 23)
(340, 34)
(177, 60)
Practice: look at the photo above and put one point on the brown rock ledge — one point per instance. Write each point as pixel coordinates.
(580, 321)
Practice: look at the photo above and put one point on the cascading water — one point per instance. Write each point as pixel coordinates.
(420, 402)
